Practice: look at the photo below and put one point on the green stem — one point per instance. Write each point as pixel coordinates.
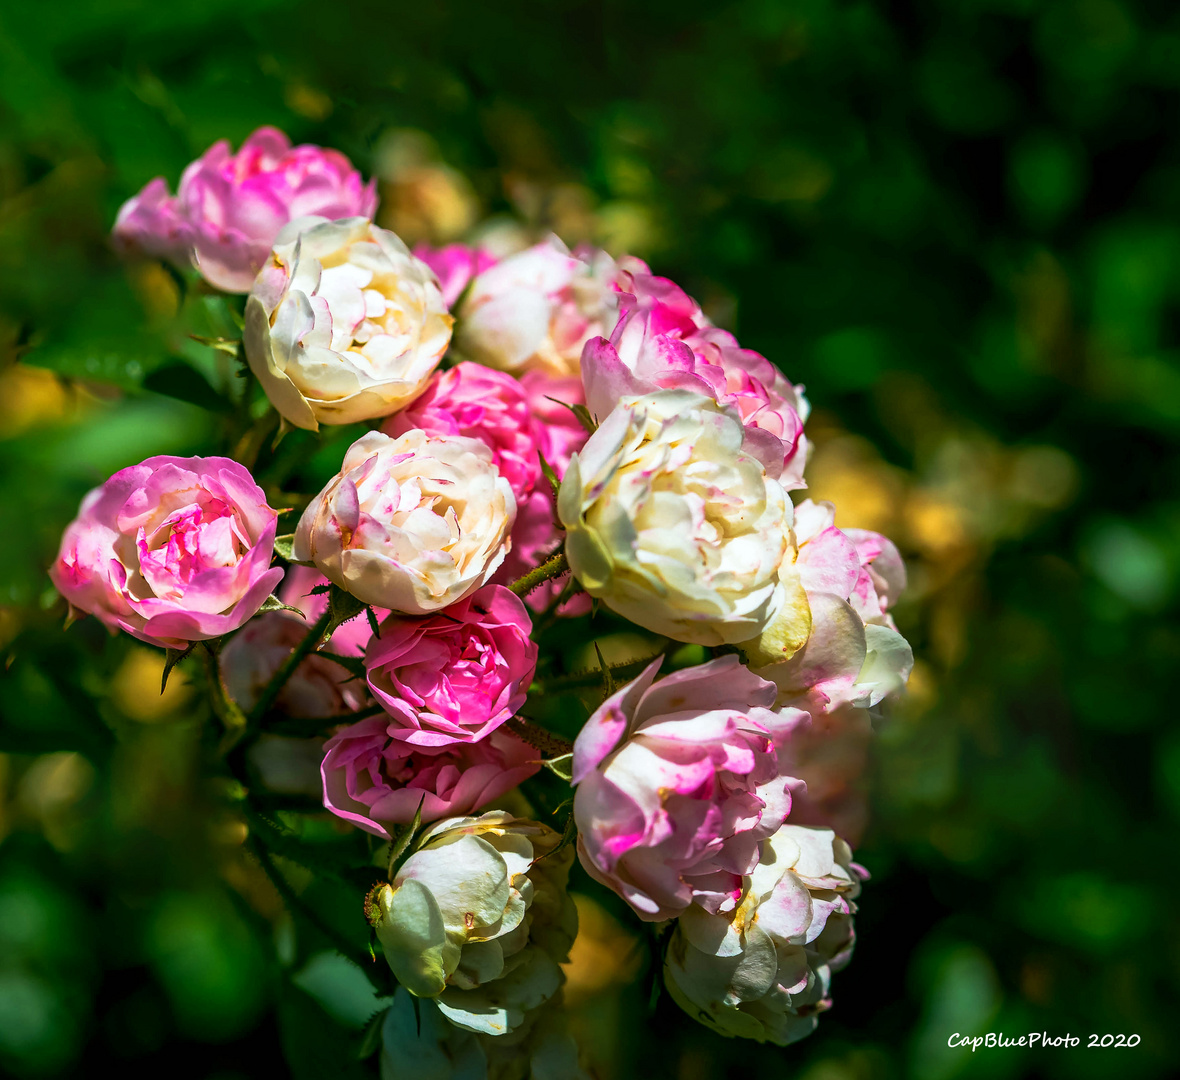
(279, 679)
(539, 738)
(581, 679)
(295, 904)
(551, 568)
(309, 727)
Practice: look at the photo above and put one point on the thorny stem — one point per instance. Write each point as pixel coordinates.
(584, 679)
(315, 725)
(538, 737)
(547, 571)
(293, 902)
(279, 679)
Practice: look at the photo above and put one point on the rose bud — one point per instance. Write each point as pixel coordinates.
(479, 919)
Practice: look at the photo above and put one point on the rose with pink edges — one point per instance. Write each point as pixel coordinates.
(378, 781)
(854, 654)
(455, 265)
(172, 550)
(230, 207)
(677, 784)
(536, 309)
(479, 403)
(456, 676)
(663, 341)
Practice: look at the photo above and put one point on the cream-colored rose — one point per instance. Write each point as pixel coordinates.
(343, 323)
(763, 970)
(536, 309)
(479, 919)
(674, 523)
(411, 524)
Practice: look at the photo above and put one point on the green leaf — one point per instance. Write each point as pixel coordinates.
(400, 844)
(608, 683)
(561, 766)
(285, 550)
(371, 1040)
(225, 345)
(580, 411)
(172, 657)
(549, 474)
(342, 606)
(183, 383)
(273, 603)
(316, 1046)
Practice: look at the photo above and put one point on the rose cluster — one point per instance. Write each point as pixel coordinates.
(545, 430)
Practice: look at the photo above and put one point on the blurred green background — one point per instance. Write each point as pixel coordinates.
(956, 221)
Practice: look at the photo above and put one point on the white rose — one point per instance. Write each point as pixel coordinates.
(343, 323)
(763, 970)
(479, 919)
(536, 309)
(411, 524)
(674, 523)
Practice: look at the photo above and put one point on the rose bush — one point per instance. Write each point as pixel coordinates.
(455, 676)
(411, 524)
(676, 785)
(675, 523)
(172, 550)
(343, 323)
(229, 207)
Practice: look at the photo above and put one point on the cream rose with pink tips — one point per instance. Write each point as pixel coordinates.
(344, 323)
(411, 524)
(676, 522)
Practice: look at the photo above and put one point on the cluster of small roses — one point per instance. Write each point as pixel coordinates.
(585, 432)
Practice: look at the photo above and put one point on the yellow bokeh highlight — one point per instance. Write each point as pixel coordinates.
(135, 688)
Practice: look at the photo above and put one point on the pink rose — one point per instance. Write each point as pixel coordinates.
(230, 207)
(663, 341)
(677, 784)
(455, 265)
(318, 686)
(854, 654)
(559, 433)
(172, 550)
(457, 675)
(480, 403)
(377, 781)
